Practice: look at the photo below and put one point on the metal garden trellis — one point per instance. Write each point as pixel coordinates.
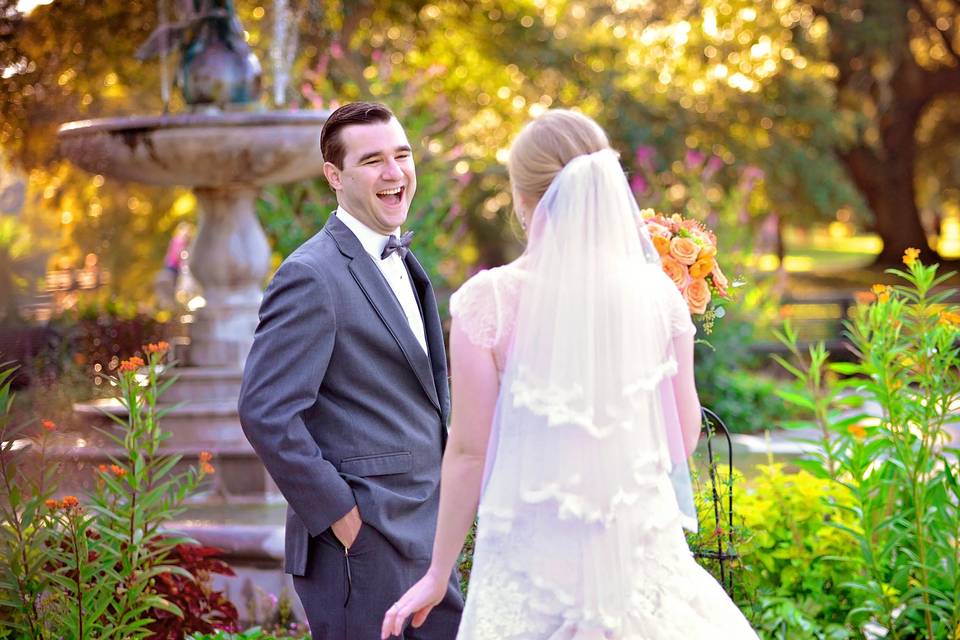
(724, 552)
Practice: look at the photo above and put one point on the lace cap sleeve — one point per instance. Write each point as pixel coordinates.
(473, 305)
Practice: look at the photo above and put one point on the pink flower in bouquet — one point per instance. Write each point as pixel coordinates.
(719, 280)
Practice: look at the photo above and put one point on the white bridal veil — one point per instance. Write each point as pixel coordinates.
(586, 471)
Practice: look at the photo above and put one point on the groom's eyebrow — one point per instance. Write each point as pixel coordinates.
(374, 154)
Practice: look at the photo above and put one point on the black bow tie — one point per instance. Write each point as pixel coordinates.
(401, 246)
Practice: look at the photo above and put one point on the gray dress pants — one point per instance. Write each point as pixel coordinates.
(346, 595)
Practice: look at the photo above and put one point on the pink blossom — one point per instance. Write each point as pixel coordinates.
(638, 184)
(714, 164)
(336, 50)
(694, 158)
(750, 177)
(644, 155)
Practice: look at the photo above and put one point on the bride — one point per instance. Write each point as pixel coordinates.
(574, 410)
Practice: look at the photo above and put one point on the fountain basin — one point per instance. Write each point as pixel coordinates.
(212, 150)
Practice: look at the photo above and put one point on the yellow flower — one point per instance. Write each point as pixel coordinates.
(882, 291)
(857, 431)
(910, 256)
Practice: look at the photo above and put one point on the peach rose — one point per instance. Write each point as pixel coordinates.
(662, 243)
(702, 267)
(676, 272)
(697, 295)
(684, 250)
(719, 280)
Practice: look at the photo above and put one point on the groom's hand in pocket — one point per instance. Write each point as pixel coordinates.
(347, 527)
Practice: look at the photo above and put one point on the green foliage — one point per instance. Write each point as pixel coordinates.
(896, 469)
(18, 267)
(87, 569)
(25, 540)
(790, 556)
(256, 633)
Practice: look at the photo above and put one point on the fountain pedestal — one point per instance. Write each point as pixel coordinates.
(225, 158)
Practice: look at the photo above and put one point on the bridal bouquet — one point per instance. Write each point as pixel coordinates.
(688, 251)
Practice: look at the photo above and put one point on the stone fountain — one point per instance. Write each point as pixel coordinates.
(225, 158)
(225, 150)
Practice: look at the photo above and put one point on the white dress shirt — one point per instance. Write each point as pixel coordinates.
(392, 269)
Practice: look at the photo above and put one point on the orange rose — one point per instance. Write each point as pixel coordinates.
(697, 295)
(708, 250)
(684, 250)
(719, 280)
(702, 267)
(676, 272)
(662, 243)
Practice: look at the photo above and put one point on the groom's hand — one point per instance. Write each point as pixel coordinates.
(347, 527)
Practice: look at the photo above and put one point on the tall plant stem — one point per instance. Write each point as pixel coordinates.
(71, 527)
(27, 601)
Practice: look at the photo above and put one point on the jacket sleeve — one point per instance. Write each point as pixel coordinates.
(281, 379)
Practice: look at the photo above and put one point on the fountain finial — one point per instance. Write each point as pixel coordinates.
(217, 67)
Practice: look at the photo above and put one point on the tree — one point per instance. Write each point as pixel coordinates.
(895, 59)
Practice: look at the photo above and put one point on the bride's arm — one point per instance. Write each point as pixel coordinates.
(685, 392)
(475, 387)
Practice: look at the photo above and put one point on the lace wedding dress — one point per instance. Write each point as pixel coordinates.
(579, 534)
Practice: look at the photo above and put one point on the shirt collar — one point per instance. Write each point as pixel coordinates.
(372, 241)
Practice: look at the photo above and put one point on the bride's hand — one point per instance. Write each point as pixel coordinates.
(418, 601)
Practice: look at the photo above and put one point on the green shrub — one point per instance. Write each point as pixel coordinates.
(792, 582)
(900, 505)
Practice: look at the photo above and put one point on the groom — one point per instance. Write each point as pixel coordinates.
(345, 395)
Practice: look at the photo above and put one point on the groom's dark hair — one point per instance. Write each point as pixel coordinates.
(331, 144)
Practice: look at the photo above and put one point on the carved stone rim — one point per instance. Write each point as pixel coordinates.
(192, 120)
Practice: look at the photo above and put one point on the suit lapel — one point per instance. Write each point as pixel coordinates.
(384, 302)
(432, 329)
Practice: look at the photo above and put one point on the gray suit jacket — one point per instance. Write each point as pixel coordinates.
(339, 400)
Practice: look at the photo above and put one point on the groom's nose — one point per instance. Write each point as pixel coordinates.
(392, 170)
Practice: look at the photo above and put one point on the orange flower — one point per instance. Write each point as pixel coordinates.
(910, 256)
(207, 468)
(677, 272)
(702, 267)
(103, 468)
(864, 297)
(684, 250)
(157, 347)
(51, 503)
(662, 244)
(69, 502)
(697, 295)
(707, 251)
(882, 291)
(205, 456)
(950, 318)
(857, 431)
(133, 364)
(49, 425)
(117, 470)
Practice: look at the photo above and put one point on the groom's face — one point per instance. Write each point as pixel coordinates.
(378, 179)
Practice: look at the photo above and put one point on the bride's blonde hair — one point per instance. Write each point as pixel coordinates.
(544, 147)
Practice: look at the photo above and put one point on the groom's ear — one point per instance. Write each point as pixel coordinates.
(332, 174)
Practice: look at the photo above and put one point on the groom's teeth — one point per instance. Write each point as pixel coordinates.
(390, 192)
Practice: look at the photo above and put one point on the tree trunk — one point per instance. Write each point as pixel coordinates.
(887, 184)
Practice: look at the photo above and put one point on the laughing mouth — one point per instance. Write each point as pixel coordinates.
(391, 196)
